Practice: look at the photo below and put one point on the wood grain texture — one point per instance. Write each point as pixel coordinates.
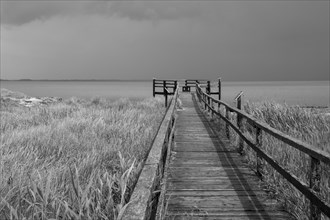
(207, 179)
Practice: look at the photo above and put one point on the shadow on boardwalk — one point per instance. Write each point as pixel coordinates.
(207, 178)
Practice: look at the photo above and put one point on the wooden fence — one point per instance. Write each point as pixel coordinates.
(316, 155)
(144, 199)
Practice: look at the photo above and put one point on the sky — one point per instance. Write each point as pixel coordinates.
(234, 40)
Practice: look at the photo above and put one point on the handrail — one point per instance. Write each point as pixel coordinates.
(304, 147)
(318, 205)
(142, 199)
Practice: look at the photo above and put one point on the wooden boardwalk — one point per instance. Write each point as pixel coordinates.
(206, 179)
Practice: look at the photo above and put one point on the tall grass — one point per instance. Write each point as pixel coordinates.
(77, 159)
(301, 123)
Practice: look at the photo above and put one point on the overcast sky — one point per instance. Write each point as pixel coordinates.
(235, 40)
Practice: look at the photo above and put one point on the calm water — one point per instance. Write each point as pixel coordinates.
(307, 93)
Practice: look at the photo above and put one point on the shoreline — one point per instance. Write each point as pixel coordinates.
(20, 98)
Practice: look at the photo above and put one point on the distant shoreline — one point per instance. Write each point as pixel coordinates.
(148, 80)
(82, 80)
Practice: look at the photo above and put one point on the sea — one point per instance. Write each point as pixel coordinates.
(303, 93)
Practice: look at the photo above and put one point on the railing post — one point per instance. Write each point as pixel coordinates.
(153, 87)
(175, 85)
(165, 92)
(219, 88)
(208, 88)
(205, 105)
(227, 126)
(259, 145)
(239, 124)
(209, 103)
(314, 182)
(212, 106)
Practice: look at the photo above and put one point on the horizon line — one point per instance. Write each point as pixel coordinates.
(151, 80)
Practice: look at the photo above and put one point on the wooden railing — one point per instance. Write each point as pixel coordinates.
(203, 83)
(167, 87)
(144, 198)
(316, 155)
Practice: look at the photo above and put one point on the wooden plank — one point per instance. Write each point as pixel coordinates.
(203, 163)
(212, 186)
(197, 148)
(222, 143)
(221, 192)
(193, 133)
(229, 215)
(214, 210)
(210, 193)
(219, 202)
(208, 174)
(196, 138)
(207, 178)
(221, 154)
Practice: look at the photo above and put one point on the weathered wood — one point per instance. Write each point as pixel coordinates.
(238, 210)
(153, 87)
(219, 89)
(221, 192)
(259, 145)
(205, 173)
(161, 201)
(239, 122)
(317, 155)
(149, 179)
(298, 144)
(314, 181)
(227, 126)
(229, 215)
(301, 186)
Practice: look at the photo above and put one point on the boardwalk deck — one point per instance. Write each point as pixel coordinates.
(207, 179)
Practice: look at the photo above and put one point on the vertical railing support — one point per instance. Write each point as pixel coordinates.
(239, 122)
(219, 88)
(212, 108)
(208, 88)
(153, 87)
(259, 145)
(165, 92)
(314, 182)
(209, 103)
(219, 91)
(227, 125)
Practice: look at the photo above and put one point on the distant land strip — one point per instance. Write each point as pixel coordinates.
(109, 80)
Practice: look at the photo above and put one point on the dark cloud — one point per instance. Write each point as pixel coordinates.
(21, 12)
(244, 40)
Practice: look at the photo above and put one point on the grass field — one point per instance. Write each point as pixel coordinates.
(75, 159)
(306, 124)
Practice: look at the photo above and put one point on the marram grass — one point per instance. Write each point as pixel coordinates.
(76, 159)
